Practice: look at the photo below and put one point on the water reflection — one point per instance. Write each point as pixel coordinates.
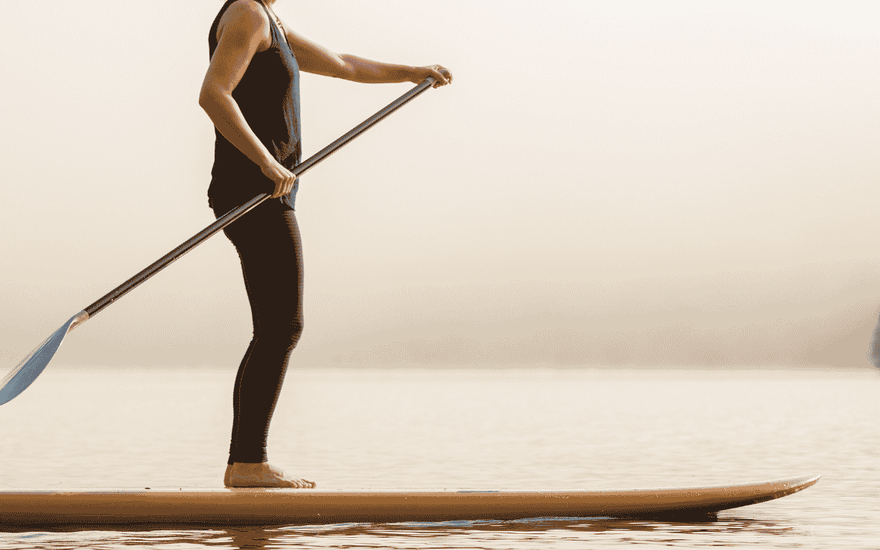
(97, 538)
(512, 534)
(252, 537)
(486, 534)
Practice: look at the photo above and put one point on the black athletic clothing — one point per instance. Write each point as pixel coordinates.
(267, 239)
(268, 95)
(269, 246)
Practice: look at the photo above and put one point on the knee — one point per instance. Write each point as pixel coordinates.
(294, 332)
(285, 335)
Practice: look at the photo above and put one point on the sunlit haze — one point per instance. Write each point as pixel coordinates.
(624, 182)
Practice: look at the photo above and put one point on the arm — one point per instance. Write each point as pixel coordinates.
(314, 58)
(243, 31)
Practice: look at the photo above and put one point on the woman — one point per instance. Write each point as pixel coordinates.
(251, 93)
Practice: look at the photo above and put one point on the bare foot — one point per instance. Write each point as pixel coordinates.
(243, 474)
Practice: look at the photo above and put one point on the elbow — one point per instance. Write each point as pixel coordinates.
(212, 100)
(347, 71)
(343, 67)
(209, 94)
(206, 99)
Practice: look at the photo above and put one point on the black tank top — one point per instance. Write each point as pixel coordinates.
(268, 95)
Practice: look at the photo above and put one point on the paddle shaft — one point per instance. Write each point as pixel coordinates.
(240, 211)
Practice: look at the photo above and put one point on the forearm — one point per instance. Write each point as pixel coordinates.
(367, 71)
(314, 58)
(229, 120)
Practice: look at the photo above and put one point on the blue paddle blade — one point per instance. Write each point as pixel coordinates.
(874, 349)
(30, 368)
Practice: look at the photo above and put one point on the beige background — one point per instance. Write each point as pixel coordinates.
(605, 183)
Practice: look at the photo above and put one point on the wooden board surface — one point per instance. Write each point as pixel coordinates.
(313, 506)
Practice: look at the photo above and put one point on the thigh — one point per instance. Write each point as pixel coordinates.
(270, 248)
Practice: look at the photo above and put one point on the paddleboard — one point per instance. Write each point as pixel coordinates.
(314, 506)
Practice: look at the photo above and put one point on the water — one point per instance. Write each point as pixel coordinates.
(528, 429)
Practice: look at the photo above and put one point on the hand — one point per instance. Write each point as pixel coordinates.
(283, 178)
(440, 73)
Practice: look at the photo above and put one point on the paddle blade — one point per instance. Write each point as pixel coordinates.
(874, 349)
(30, 368)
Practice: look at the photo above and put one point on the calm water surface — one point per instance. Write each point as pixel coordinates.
(529, 429)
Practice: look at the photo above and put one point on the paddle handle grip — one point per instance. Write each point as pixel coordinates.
(240, 211)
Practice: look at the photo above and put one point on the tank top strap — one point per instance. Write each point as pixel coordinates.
(278, 35)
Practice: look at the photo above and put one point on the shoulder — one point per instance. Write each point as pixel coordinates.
(244, 17)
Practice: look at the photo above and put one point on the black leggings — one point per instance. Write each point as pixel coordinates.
(269, 246)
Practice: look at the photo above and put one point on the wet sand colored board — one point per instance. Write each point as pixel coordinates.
(314, 506)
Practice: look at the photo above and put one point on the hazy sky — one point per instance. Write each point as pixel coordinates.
(605, 182)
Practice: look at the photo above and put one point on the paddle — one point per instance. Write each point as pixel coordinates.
(30, 368)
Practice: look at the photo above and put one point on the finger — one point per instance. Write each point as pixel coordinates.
(287, 185)
(447, 74)
(437, 72)
(279, 189)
